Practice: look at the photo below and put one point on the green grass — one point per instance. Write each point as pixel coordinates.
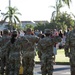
(60, 57)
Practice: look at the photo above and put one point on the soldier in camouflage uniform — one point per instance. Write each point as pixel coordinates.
(13, 48)
(29, 53)
(14, 54)
(70, 49)
(4, 62)
(45, 48)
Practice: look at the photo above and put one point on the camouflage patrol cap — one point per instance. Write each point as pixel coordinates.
(47, 31)
(29, 30)
(14, 32)
(5, 31)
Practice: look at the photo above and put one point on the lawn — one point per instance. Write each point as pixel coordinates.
(60, 57)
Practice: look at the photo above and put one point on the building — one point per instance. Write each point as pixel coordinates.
(42, 22)
(3, 25)
(23, 23)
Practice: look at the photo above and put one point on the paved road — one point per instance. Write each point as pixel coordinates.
(58, 70)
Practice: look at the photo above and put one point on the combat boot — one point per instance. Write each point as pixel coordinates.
(72, 72)
(2, 72)
(44, 73)
(72, 69)
(49, 73)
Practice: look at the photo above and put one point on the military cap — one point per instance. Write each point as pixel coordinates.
(14, 32)
(5, 31)
(29, 30)
(47, 31)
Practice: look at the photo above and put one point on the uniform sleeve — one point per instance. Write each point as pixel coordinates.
(67, 44)
(18, 44)
(24, 44)
(0, 42)
(36, 39)
(39, 50)
(5, 48)
(57, 39)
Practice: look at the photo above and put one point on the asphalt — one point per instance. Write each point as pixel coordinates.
(61, 68)
(58, 69)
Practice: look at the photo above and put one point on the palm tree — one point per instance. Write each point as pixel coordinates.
(67, 2)
(57, 7)
(11, 15)
(59, 4)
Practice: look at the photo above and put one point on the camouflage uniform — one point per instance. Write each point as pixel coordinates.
(45, 48)
(29, 54)
(13, 50)
(4, 57)
(14, 58)
(70, 43)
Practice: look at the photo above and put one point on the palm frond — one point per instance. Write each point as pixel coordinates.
(18, 13)
(6, 18)
(67, 2)
(17, 18)
(14, 21)
(53, 7)
(53, 15)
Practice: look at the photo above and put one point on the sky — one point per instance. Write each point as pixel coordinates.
(34, 9)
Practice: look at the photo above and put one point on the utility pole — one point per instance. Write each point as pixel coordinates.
(0, 15)
(9, 3)
(10, 23)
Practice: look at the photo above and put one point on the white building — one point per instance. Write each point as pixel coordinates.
(23, 23)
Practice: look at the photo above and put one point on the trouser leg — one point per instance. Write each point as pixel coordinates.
(72, 69)
(50, 66)
(3, 62)
(43, 69)
(31, 66)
